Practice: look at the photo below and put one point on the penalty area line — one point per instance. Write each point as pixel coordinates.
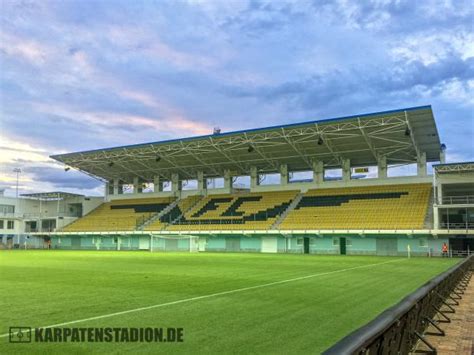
(197, 298)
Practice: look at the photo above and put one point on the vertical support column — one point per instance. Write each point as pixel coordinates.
(318, 172)
(346, 170)
(201, 181)
(435, 217)
(118, 187)
(227, 181)
(382, 167)
(157, 184)
(283, 174)
(109, 188)
(253, 177)
(137, 186)
(175, 183)
(421, 164)
(442, 154)
(440, 193)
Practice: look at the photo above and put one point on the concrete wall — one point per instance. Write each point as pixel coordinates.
(323, 245)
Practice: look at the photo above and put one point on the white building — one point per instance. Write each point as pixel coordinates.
(40, 212)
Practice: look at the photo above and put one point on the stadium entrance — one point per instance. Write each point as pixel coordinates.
(342, 245)
(306, 245)
(386, 246)
(461, 245)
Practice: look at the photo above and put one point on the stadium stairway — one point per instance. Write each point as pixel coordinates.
(429, 219)
(173, 214)
(188, 208)
(290, 208)
(249, 211)
(147, 221)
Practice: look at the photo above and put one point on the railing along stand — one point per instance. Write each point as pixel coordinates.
(443, 314)
(426, 342)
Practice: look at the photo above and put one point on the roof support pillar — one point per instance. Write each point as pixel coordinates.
(442, 154)
(201, 181)
(283, 174)
(137, 186)
(227, 181)
(435, 217)
(346, 169)
(382, 167)
(118, 187)
(442, 157)
(175, 186)
(253, 177)
(318, 172)
(157, 184)
(421, 164)
(109, 188)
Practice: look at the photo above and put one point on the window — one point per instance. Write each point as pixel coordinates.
(7, 209)
(348, 242)
(190, 184)
(215, 183)
(335, 241)
(10, 224)
(423, 242)
(1, 224)
(269, 179)
(299, 241)
(332, 174)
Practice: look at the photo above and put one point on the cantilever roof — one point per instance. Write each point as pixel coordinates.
(454, 167)
(360, 138)
(54, 195)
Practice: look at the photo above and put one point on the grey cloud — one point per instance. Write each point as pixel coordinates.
(61, 179)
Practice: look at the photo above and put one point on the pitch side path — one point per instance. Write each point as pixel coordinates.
(224, 303)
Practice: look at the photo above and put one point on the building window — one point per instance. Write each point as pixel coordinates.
(299, 241)
(7, 209)
(348, 242)
(10, 224)
(423, 242)
(335, 241)
(1, 224)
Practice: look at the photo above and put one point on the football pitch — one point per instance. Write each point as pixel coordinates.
(225, 303)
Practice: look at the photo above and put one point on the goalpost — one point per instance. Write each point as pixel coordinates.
(174, 243)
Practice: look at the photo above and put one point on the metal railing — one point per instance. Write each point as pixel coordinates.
(457, 200)
(398, 329)
(468, 225)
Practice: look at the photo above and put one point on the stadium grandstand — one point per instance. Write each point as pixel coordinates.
(184, 194)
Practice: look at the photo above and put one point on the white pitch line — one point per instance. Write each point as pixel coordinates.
(211, 295)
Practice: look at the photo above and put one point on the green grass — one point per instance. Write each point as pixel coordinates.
(41, 288)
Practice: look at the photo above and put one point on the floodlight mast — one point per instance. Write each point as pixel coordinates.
(17, 171)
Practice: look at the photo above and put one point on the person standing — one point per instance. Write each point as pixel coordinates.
(444, 250)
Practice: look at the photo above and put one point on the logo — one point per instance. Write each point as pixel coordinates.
(95, 335)
(20, 335)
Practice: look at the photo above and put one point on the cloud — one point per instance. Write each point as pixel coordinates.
(84, 75)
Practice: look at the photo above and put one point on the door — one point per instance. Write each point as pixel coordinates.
(75, 242)
(232, 244)
(386, 246)
(461, 245)
(342, 245)
(306, 245)
(202, 244)
(144, 243)
(269, 245)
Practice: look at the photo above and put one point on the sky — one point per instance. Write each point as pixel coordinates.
(85, 74)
